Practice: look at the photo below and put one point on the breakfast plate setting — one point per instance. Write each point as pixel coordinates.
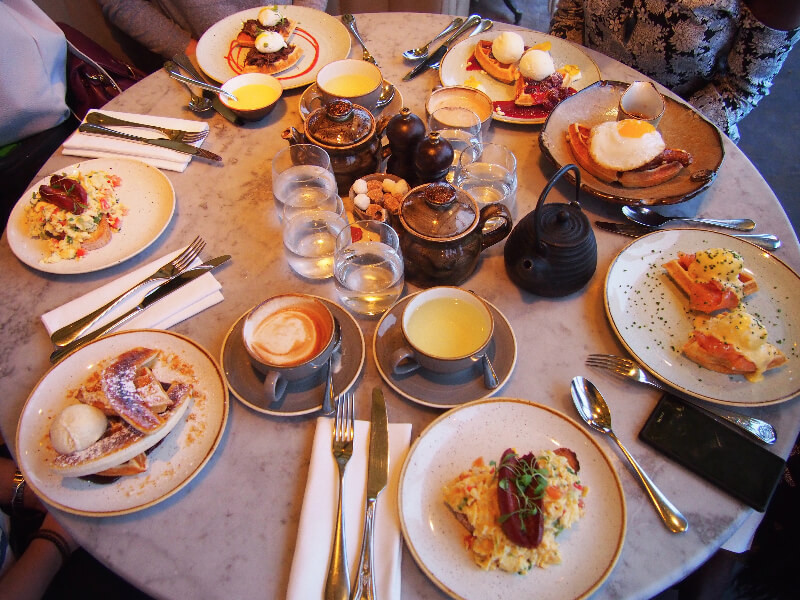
(304, 396)
(459, 68)
(486, 428)
(650, 316)
(681, 127)
(321, 37)
(144, 190)
(443, 390)
(173, 463)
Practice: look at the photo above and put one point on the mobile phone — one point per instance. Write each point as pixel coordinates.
(713, 450)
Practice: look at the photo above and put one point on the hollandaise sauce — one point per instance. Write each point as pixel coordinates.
(253, 96)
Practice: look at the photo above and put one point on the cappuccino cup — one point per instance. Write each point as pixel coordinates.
(288, 337)
(446, 330)
(358, 81)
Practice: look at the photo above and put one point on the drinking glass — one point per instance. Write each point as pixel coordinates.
(302, 175)
(458, 125)
(368, 267)
(309, 240)
(489, 173)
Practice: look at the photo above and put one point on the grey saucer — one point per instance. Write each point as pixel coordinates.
(394, 106)
(433, 389)
(304, 396)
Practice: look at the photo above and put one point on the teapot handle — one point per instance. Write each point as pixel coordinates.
(553, 180)
(501, 212)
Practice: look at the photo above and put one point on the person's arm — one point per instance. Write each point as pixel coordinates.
(145, 23)
(568, 21)
(754, 60)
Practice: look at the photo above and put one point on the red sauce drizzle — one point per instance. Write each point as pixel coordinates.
(511, 110)
(313, 41)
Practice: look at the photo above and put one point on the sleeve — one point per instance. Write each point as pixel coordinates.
(146, 24)
(567, 21)
(318, 4)
(756, 57)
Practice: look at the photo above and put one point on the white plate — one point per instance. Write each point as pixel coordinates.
(173, 463)
(449, 445)
(453, 70)
(146, 192)
(322, 37)
(649, 314)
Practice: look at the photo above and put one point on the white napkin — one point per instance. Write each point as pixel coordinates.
(195, 296)
(97, 146)
(315, 533)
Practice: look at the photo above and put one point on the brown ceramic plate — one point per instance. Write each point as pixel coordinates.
(681, 127)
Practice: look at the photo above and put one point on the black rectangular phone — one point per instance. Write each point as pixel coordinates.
(710, 448)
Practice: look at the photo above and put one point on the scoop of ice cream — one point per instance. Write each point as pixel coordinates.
(536, 65)
(508, 47)
(77, 427)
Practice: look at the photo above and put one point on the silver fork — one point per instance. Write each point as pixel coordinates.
(337, 584)
(177, 135)
(629, 369)
(68, 333)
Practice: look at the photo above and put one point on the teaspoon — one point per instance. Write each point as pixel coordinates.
(172, 69)
(422, 51)
(327, 401)
(198, 104)
(350, 22)
(593, 409)
(651, 218)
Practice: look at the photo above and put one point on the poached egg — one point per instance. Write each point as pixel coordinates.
(269, 41)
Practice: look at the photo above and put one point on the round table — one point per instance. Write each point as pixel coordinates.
(231, 532)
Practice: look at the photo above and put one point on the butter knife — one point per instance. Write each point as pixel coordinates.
(159, 293)
(377, 477)
(185, 63)
(765, 240)
(172, 145)
(437, 55)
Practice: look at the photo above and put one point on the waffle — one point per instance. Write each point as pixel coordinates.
(507, 73)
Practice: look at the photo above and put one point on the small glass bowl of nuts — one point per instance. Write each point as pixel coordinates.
(378, 196)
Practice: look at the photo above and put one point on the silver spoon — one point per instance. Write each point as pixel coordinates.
(172, 69)
(594, 410)
(422, 51)
(327, 401)
(350, 22)
(198, 104)
(651, 218)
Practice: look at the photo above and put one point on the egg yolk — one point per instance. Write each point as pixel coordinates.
(634, 128)
(544, 46)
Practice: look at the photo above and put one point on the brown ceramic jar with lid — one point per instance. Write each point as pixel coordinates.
(442, 233)
(403, 132)
(433, 157)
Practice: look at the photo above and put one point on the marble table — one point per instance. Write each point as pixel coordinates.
(231, 532)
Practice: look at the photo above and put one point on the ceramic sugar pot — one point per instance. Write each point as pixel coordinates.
(552, 251)
(349, 134)
(442, 233)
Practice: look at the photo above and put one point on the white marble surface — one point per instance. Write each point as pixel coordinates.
(231, 532)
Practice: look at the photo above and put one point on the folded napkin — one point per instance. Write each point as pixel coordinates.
(195, 296)
(97, 146)
(315, 533)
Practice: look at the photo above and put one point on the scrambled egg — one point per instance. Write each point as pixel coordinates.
(474, 494)
(66, 231)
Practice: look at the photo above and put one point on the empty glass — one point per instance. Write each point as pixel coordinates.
(458, 125)
(489, 173)
(368, 267)
(309, 240)
(302, 175)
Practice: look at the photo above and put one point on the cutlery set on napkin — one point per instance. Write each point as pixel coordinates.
(177, 297)
(373, 470)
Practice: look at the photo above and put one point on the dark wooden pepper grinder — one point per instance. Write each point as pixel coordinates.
(433, 157)
(404, 131)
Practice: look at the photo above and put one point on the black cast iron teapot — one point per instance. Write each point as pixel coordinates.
(552, 250)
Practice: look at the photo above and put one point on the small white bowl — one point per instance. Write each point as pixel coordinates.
(239, 81)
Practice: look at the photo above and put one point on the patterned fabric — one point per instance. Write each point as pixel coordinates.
(713, 53)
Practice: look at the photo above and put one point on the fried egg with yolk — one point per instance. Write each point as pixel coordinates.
(625, 145)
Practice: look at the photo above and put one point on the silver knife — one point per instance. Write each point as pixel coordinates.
(377, 477)
(437, 55)
(185, 63)
(153, 296)
(765, 240)
(172, 145)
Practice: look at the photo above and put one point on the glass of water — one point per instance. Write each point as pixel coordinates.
(458, 125)
(309, 241)
(489, 173)
(302, 176)
(368, 267)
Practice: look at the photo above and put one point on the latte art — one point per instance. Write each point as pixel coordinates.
(289, 337)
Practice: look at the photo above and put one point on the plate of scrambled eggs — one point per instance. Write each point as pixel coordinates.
(131, 199)
(452, 462)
